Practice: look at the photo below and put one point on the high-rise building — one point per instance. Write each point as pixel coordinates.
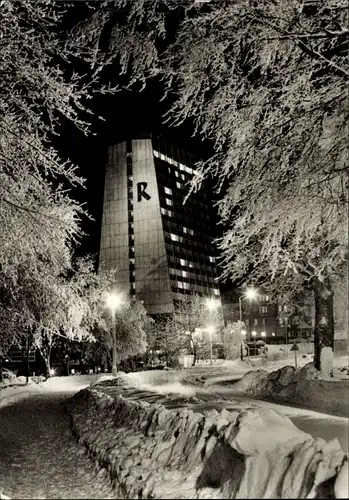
(160, 243)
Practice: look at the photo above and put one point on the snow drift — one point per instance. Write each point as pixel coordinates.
(304, 387)
(152, 452)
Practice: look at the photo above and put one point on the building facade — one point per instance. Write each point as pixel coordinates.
(270, 321)
(160, 243)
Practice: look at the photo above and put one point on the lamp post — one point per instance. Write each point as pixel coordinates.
(210, 330)
(211, 305)
(254, 333)
(250, 294)
(114, 302)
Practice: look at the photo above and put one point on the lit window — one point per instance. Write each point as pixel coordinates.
(256, 321)
(179, 185)
(177, 174)
(133, 285)
(168, 190)
(212, 259)
(280, 308)
(183, 176)
(191, 231)
(280, 321)
(185, 274)
(162, 157)
(132, 236)
(190, 264)
(215, 291)
(169, 213)
(267, 298)
(183, 262)
(156, 154)
(132, 261)
(285, 308)
(185, 230)
(179, 284)
(169, 202)
(181, 166)
(164, 211)
(186, 286)
(174, 237)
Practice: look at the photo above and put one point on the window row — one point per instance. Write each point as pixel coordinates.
(169, 160)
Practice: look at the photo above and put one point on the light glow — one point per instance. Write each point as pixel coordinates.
(243, 332)
(114, 301)
(52, 372)
(254, 333)
(263, 334)
(211, 304)
(251, 293)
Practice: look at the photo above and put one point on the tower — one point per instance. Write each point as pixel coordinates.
(161, 246)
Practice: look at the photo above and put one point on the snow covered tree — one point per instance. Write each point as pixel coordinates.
(131, 323)
(267, 83)
(233, 340)
(187, 329)
(38, 218)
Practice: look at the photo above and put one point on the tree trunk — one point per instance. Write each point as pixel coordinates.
(324, 327)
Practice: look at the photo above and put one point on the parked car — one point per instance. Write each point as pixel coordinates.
(8, 374)
(255, 348)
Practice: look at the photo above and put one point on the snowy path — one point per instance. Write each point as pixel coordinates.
(39, 457)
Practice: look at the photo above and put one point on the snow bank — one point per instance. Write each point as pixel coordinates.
(9, 395)
(304, 387)
(152, 452)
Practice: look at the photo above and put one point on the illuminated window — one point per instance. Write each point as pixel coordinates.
(169, 213)
(183, 262)
(168, 190)
(212, 259)
(174, 237)
(169, 202)
(256, 321)
(185, 230)
(280, 321)
(156, 154)
(183, 176)
(266, 298)
(164, 211)
(162, 157)
(132, 261)
(133, 285)
(177, 174)
(264, 309)
(185, 274)
(191, 231)
(215, 291)
(179, 185)
(179, 284)
(190, 264)
(186, 286)
(285, 308)
(280, 308)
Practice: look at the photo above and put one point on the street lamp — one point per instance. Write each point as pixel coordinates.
(210, 330)
(211, 305)
(250, 293)
(114, 302)
(254, 333)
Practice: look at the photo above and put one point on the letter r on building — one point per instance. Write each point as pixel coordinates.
(141, 191)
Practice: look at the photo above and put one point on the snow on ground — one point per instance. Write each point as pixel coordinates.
(39, 458)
